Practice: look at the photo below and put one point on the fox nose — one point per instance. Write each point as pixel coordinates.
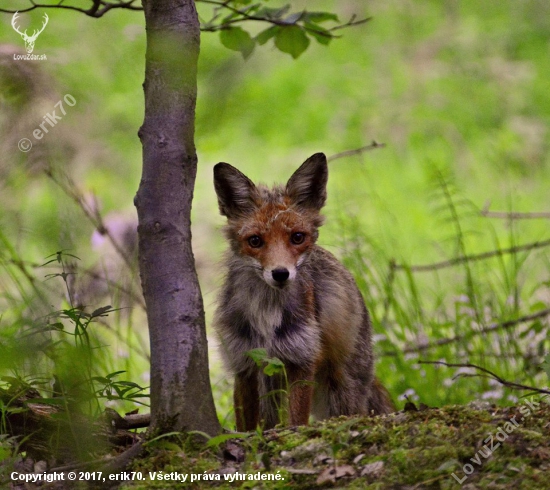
(280, 275)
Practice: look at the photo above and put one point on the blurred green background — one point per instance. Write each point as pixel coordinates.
(458, 91)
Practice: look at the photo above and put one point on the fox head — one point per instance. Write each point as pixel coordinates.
(273, 229)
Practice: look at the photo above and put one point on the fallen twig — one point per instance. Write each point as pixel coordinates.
(373, 146)
(487, 373)
(473, 257)
(458, 338)
(138, 420)
(107, 464)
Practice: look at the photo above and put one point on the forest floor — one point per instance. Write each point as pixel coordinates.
(469, 447)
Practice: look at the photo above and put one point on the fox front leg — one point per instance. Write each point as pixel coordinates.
(246, 400)
(301, 394)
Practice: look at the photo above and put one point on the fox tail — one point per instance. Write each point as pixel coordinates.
(380, 401)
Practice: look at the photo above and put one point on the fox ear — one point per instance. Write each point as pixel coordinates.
(236, 192)
(308, 185)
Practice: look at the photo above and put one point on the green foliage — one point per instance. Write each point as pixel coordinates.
(465, 309)
(58, 361)
(112, 389)
(274, 367)
(291, 40)
(237, 39)
(291, 30)
(270, 365)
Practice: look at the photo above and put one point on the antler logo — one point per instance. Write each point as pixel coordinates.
(29, 40)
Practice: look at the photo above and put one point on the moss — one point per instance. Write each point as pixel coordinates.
(421, 448)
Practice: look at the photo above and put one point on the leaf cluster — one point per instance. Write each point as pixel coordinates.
(112, 389)
(270, 365)
(291, 31)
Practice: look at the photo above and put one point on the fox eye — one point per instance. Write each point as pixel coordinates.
(297, 238)
(255, 241)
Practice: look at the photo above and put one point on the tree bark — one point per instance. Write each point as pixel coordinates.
(181, 396)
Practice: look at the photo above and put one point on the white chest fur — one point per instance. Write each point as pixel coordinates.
(264, 316)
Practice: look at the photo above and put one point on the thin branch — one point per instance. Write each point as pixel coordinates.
(514, 215)
(489, 374)
(473, 257)
(488, 329)
(137, 420)
(88, 272)
(348, 153)
(107, 464)
(80, 465)
(130, 293)
(100, 7)
(92, 213)
(245, 16)
(94, 11)
(352, 22)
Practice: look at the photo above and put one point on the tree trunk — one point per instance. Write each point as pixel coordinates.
(181, 397)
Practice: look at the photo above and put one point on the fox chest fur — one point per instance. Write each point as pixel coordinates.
(284, 293)
(298, 324)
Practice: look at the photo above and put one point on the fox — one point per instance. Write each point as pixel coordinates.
(284, 293)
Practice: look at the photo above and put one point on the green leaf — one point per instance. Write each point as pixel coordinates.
(274, 366)
(118, 390)
(237, 39)
(266, 35)
(319, 33)
(129, 384)
(101, 311)
(114, 375)
(273, 13)
(539, 305)
(138, 395)
(58, 257)
(319, 17)
(75, 314)
(292, 40)
(258, 355)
